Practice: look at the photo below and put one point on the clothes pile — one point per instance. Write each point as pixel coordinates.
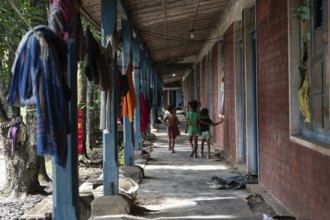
(266, 217)
(233, 182)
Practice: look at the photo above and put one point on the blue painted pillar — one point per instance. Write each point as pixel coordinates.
(126, 57)
(144, 79)
(143, 62)
(162, 97)
(152, 96)
(148, 73)
(156, 97)
(142, 72)
(137, 85)
(65, 180)
(160, 90)
(110, 143)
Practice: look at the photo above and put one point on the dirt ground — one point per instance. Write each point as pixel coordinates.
(13, 208)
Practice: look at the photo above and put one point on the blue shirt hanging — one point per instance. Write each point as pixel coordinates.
(39, 78)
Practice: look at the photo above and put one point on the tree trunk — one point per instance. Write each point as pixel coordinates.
(43, 175)
(90, 116)
(6, 111)
(3, 105)
(82, 92)
(22, 162)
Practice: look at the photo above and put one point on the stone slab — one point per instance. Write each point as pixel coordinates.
(110, 205)
(135, 172)
(40, 211)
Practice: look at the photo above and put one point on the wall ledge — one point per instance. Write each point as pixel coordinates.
(318, 146)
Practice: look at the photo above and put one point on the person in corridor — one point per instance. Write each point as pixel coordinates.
(192, 127)
(172, 121)
(205, 123)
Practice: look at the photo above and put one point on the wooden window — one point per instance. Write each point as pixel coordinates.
(309, 74)
(315, 116)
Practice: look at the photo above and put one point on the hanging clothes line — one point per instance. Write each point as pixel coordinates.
(130, 102)
(40, 80)
(106, 82)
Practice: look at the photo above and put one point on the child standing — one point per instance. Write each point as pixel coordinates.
(193, 127)
(172, 121)
(205, 123)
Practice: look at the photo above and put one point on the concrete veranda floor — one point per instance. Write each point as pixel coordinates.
(175, 185)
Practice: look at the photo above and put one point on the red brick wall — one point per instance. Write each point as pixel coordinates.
(229, 102)
(297, 176)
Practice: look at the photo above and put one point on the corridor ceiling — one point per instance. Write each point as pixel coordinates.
(165, 28)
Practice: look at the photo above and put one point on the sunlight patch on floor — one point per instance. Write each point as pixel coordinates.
(201, 217)
(214, 198)
(171, 203)
(187, 167)
(108, 217)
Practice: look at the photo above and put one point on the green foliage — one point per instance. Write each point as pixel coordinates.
(121, 154)
(95, 31)
(13, 26)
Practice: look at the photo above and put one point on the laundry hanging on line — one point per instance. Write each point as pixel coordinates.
(39, 72)
(98, 62)
(129, 101)
(144, 114)
(106, 75)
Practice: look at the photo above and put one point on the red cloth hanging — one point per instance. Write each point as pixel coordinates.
(144, 114)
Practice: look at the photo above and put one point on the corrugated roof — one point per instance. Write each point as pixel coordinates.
(165, 27)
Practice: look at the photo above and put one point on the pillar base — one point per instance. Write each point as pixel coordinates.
(110, 205)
